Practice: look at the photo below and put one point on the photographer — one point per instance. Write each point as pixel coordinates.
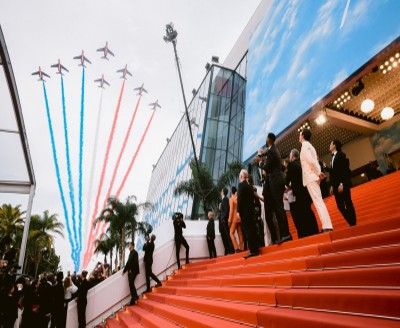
(179, 239)
(148, 249)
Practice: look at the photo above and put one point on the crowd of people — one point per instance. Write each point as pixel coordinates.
(28, 302)
(301, 180)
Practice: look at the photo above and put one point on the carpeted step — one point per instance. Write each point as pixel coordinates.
(126, 320)
(284, 318)
(375, 277)
(240, 312)
(360, 301)
(187, 318)
(149, 319)
(254, 295)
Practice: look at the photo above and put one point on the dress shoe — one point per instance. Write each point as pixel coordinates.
(326, 230)
(250, 255)
(286, 238)
(159, 285)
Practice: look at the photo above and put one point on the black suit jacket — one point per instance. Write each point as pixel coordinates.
(211, 229)
(294, 177)
(148, 248)
(273, 167)
(340, 172)
(225, 209)
(178, 226)
(132, 265)
(82, 291)
(245, 201)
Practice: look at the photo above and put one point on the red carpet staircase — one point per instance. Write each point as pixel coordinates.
(347, 278)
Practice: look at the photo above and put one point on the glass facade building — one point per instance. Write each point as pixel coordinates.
(217, 118)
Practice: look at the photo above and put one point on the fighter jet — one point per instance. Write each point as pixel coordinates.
(60, 68)
(105, 51)
(124, 71)
(102, 81)
(41, 74)
(140, 90)
(83, 59)
(155, 105)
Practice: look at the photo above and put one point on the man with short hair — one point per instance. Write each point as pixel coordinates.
(132, 266)
(312, 176)
(273, 190)
(245, 209)
(340, 177)
(82, 299)
(179, 224)
(211, 235)
(148, 249)
(300, 204)
(223, 222)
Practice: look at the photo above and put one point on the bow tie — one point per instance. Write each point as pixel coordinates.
(332, 154)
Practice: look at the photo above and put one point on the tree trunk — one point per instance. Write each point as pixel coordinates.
(111, 254)
(122, 248)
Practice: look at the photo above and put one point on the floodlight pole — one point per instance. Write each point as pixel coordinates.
(171, 37)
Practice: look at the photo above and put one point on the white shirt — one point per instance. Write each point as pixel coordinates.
(333, 158)
(69, 291)
(309, 163)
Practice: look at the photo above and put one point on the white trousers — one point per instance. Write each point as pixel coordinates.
(316, 196)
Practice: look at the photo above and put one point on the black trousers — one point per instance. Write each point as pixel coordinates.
(178, 242)
(225, 236)
(150, 274)
(132, 288)
(250, 229)
(260, 232)
(303, 216)
(345, 206)
(82, 313)
(273, 204)
(211, 248)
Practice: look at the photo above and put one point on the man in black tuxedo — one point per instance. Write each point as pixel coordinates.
(148, 249)
(300, 206)
(211, 235)
(273, 190)
(245, 209)
(223, 222)
(83, 288)
(132, 266)
(179, 239)
(340, 177)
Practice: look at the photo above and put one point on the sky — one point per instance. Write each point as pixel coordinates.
(41, 32)
(302, 50)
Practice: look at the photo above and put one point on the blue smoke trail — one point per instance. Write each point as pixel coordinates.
(80, 159)
(70, 182)
(53, 146)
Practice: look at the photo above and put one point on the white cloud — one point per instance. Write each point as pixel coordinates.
(339, 78)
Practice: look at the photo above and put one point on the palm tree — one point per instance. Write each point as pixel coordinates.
(11, 221)
(105, 245)
(42, 231)
(202, 186)
(122, 218)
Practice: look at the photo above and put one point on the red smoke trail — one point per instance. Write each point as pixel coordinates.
(103, 172)
(101, 224)
(133, 159)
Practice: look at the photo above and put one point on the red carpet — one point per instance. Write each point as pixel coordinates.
(347, 278)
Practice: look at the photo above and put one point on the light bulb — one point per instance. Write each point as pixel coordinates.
(387, 113)
(367, 106)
